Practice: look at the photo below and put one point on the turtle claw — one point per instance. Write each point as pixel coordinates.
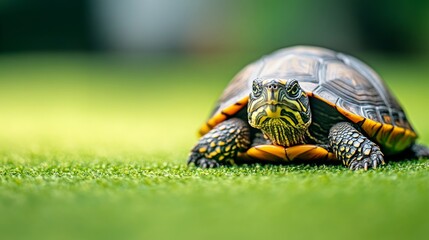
(353, 165)
(381, 159)
(204, 163)
(208, 163)
(374, 164)
(374, 159)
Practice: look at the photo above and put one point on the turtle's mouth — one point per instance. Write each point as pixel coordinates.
(279, 123)
(269, 111)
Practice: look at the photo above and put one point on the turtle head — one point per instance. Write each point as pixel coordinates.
(280, 109)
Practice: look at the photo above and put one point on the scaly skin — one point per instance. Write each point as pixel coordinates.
(354, 149)
(221, 145)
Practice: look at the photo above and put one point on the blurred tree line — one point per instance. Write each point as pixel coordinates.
(202, 25)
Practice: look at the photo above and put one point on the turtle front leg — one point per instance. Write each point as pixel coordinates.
(354, 149)
(221, 145)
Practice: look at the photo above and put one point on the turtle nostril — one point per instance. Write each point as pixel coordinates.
(272, 86)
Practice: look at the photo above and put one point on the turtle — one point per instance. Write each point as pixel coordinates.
(306, 103)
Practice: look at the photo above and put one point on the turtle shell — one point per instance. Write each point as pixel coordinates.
(343, 82)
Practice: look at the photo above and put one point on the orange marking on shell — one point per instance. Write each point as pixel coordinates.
(396, 138)
(393, 139)
(351, 116)
(203, 130)
(402, 141)
(270, 153)
(220, 117)
(385, 135)
(274, 153)
(309, 152)
(371, 127)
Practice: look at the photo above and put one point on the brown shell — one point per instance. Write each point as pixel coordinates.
(337, 79)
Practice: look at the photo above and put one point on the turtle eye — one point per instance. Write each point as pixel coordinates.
(294, 89)
(256, 89)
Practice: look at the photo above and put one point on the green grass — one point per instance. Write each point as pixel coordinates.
(70, 197)
(95, 147)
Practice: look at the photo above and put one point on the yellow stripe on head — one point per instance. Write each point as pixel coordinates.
(280, 108)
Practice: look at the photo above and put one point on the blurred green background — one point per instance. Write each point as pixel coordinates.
(90, 73)
(101, 101)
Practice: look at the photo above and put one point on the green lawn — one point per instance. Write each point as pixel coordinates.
(95, 147)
